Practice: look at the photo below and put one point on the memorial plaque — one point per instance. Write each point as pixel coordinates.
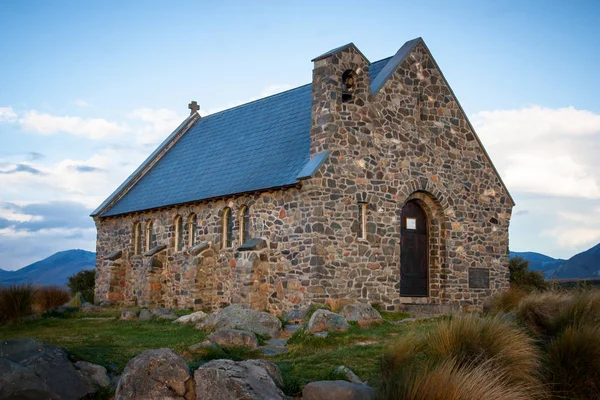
(479, 278)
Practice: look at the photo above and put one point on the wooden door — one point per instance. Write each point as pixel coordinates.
(414, 251)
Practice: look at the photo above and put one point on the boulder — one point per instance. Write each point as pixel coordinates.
(30, 369)
(337, 390)
(192, 318)
(348, 374)
(362, 313)
(91, 308)
(167, 317)
(156, 374)
(237, 317)
(94, 373)
(157, 312)
(128, 315)
(231, 338)
(145, 315)
(204, 345)
(326, 321)
(227, 380)
(296, 315)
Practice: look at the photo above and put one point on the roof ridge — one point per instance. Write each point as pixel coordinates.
(257, 100)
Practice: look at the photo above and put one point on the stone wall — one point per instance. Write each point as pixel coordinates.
(409, 141)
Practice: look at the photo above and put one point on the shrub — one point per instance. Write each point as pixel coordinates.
(450, 380)
(48, 297)
(538, 312)
(574, 363)
(521, 276)
(581, 310)
(16, 301)
(469, 342)
(83, 282)
(504, 301)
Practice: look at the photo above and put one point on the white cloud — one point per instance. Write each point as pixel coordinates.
(543, 150)
(576, 229)
(7, 114)
(91, 128)
(81, 103)
(159, 124)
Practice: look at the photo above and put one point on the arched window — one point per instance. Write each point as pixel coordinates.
(244, 224)
(227, 228)
(149, 234)
(191, 230)
(178, 224)
(137, 239)
(348, 85)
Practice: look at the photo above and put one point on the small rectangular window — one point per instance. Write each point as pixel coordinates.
(362, 220)
(411, 223)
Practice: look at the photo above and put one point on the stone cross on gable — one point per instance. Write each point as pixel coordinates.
(194, 107)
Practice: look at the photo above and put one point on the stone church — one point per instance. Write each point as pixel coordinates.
(368, 184)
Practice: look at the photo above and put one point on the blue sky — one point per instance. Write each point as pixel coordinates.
(88, 89)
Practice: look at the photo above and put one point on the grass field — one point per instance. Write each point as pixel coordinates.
(112, 343)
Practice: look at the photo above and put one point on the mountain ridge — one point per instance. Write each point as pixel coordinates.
(582, 265)
(52, 270)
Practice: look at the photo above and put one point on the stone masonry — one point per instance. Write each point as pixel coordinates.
(408, 141)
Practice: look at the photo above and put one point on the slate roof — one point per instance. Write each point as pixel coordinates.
(259, 145)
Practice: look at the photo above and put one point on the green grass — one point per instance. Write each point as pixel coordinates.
(110, 343)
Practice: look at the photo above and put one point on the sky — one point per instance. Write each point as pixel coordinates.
(88, 89)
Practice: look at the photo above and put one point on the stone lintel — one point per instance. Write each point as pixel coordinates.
(199, 248)
(115, 256)
(155, 250)
(255, 244)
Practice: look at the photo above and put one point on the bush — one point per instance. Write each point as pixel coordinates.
(48, 297)
(504, 301)
(574, 363)
(522, 277)
(16, 302)
(538, 312)
(83, 282)
(451, 381)
(469, 342)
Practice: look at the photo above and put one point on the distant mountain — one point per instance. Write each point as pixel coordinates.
(582, 265)
(539, 262)
(54, 270)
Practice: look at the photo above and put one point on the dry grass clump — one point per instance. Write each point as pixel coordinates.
(450, 380)
(538, 312)
(574, 363)
(495, 351)
(581, 310)
(16, 302)
(504, 301)
(48, 297)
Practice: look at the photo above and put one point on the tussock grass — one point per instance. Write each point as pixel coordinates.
(16, 302)
(48, 297)
(538, 311)
(581, 310)
(505, 301)
(464, 342)
(451, 380)
(574, 363)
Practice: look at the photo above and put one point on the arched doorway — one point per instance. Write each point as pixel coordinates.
(414, 251)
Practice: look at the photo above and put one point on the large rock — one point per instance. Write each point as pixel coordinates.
(128, 315)
(94, 373)
(192, 318)
(362, 313)
(33, 370)
(232, 338)
(145, 315)
(237, 317)
(230, 380)
(156, 374)
(337, 390)
(90, 308)
(159, 311)
(326, 321)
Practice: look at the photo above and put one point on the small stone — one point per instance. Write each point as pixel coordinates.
(128, 315)
(348, 374)
(233, 338)
(95, 373)
(192, 318)
(145, 315)
(324, 320)
(337, 390)
(167, 317)
(207, 344)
